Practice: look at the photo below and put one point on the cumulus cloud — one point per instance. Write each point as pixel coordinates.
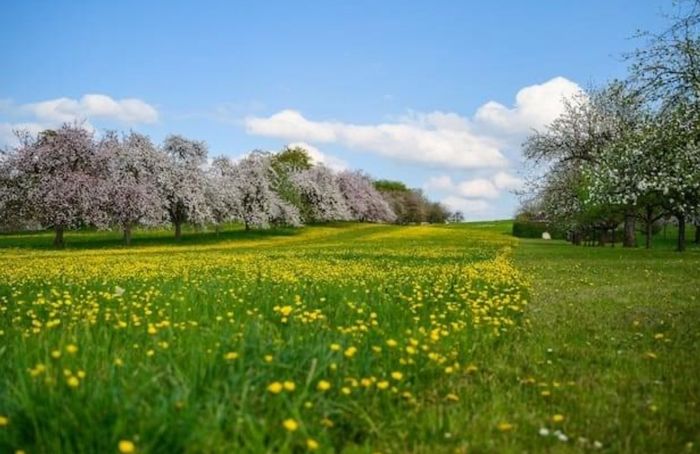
(438, 139)
(470, 207)
(318, 157)
(535, 106)
(61, 110)
(420, 141)
(478, 188)
(54, 112)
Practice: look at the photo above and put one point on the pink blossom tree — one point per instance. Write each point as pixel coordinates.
(133, 166)
(59, 176)
(183, 182)
(364, 201)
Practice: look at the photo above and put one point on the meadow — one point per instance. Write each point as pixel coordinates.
(347, 338)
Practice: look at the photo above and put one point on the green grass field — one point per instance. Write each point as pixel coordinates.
(347, 338)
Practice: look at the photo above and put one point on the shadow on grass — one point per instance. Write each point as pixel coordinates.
(91, 239)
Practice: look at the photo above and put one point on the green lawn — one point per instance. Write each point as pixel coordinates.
(421, 335)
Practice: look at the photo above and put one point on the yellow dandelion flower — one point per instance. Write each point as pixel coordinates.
(323, 385)
(56, 354)
(290, 424)
(73, 381)
(268, 358)
(72, 349)
(452, 397)
(126, 446)
(4, 420)
(275, 387)
(311, 444)
(350, 352)
(383, 384)
(230, 356)
(289, 386)
(557, 418)
(391, 343)
(335, 347)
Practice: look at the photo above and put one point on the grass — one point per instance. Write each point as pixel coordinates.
(433, 339)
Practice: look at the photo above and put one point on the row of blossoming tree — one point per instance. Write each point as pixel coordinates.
(67, 179)
(626, 155)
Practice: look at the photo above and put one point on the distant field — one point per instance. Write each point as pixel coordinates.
(347, 338)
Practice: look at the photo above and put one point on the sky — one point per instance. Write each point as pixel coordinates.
(438, 94)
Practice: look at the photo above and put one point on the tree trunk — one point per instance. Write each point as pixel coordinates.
(178, 231)
(681, 233)
(697, 232)
(612, 242)
(576, 238)
(127, 235)
(602, 237)
(58, 238)
(630, 239)
(649, 229)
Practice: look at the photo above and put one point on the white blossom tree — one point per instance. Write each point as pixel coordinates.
(133, 166)
(59, 179)
(364, 201)
(260, 205)
(222, 193)
(183, 183)
(321, 197)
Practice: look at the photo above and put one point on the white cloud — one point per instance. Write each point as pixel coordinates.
(507, 182)
(482, 188)
(318, 157)
(415, 141)
(438, 139)
(535, 106)
(54, 112)
(7, 131)
(61, 110)
(470, 207)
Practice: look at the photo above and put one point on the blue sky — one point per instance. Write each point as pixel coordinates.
(424, 92)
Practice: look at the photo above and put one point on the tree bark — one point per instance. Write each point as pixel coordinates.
(681, 233)
(58, 237)
(127, 235)
(630, 239)
(178, 231)
(649, 231)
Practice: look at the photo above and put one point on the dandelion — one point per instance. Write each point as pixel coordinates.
(4, 420)
(72, 349)
(557, 418)
(290, 424)
(275, 387)
(230, 356)
(56, 354)
(126, 447)
(289, 386)
(268, 358)
(311, 444)
(73, 381)
(335, 347)
(323, 385)
(383, 385)
(350, 352)
(396, 375)
(544, 432)
(391, 343)
(286, 310)
(452, 397)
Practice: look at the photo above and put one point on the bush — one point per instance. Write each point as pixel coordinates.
(534, 229)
